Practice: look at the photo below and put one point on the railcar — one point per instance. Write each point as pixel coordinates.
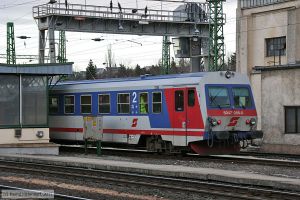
(205, 112)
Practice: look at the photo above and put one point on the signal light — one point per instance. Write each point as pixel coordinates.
(219, 122)
(248, 121)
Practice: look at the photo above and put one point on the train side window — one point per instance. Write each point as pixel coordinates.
(179, 100)
(53, 104)
(104, 103)
(143, 103)
(241, 97)
(69, 104)
(191, 98)
(156, 102)
(86, 104)
(124, 103)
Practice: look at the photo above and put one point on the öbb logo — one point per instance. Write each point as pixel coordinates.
(233, 121)
(134, 122)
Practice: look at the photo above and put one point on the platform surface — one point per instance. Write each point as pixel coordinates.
(105, 163)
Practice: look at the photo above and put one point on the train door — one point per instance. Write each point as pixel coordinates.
(180, 117)
(184, 115)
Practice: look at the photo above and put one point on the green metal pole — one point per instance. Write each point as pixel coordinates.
(99, 148)
(85, 146)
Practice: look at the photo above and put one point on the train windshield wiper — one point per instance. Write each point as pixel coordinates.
(223, 105)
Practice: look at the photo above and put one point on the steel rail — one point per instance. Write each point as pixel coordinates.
(178, 184)
(222, 158)
(56, 195)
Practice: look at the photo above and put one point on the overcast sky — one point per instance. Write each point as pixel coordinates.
(80, 47)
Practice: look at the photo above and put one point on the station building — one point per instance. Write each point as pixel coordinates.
(24, 107)
(268, 50)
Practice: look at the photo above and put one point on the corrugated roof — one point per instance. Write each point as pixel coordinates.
(38, 69)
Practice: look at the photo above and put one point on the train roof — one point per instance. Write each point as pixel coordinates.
(154, 82)
(141, 78)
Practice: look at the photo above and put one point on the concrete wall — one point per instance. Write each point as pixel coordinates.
(279, 88)
(28, 136)
(274, 89)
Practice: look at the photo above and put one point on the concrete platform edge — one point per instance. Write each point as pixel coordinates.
(284, 185)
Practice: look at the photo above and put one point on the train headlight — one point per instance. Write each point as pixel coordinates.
(228, 75)
(213, 121)
(252, 121)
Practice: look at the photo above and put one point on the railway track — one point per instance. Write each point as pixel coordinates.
(55, 195)
(219, 189)
(240, 159)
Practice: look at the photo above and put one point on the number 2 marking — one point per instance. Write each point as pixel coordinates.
(134, 97)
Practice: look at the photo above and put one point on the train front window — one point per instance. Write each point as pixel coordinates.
(241, 97)
(218, 97)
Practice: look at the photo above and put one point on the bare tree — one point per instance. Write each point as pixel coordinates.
(110, 57)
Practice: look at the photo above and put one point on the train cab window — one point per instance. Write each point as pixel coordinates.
(179, 100)
(241, 97)
(104, 103)
(69, 104)
(143, 103)
(191, 98)
(218, 97)
(156, 102)
(86, 104)
(124, 103)
(53, 105)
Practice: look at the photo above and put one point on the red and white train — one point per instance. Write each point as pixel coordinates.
(206, 113)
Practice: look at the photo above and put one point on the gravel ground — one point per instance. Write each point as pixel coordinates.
(288, 172)
(94, 190)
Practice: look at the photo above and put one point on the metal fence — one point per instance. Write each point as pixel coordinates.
(88, 11)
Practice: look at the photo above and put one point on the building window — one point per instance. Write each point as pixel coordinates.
(69, 104)
(179, 100)
(276, 46)
(124, 103)
(156, 102)
(104, 103)
(53, 105)
(143, 103)
(292, 119)
(86, 104)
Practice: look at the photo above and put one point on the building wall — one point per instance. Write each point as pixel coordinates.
(256, 24)
(279, 88)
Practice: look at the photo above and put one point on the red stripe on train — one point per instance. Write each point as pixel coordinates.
(134, 132)
(231, 113)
